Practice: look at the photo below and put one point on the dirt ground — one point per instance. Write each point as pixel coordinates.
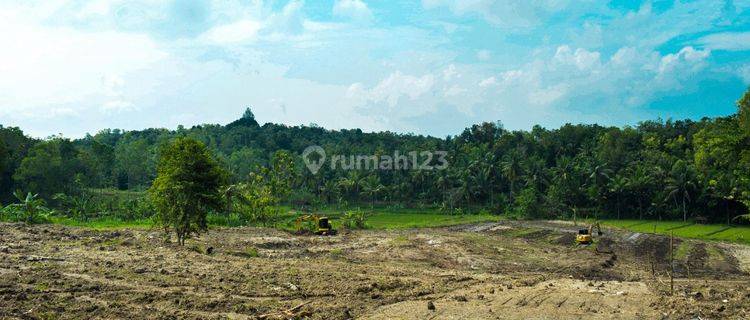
(507, 270)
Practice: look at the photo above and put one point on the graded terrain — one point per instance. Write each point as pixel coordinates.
(496, 270)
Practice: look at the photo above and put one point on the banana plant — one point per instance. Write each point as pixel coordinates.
(29, 209)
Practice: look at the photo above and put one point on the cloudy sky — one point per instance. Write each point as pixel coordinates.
(429, 67)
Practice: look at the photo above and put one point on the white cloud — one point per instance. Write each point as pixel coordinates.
(731, 41)
(355, 9)
(513, 13)
(450, 72)
(117, 106)
(673, 61)
(744, 73)
(581, 58)
(568, 85)
(53, 66)
(235, 32)
(391, 89)
(488, 82)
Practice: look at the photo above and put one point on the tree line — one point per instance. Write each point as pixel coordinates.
(682, 169)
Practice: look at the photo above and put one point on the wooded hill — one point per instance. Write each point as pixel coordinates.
(658, 169)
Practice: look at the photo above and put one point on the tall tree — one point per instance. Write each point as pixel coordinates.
(512, 170)
(186, 187)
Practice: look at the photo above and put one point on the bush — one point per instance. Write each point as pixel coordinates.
(252, 201)
(135, 209)
(79, 207)
(528, 204)
(354, 220)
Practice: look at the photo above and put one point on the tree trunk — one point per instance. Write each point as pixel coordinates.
(726, 209)
(640, 208)
(618, 207)
(684, 210)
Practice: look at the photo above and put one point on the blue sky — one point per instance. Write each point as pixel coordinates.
(427, 67)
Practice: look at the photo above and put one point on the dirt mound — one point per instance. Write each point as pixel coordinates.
(649, 247)
(566, 239)
(697, 257)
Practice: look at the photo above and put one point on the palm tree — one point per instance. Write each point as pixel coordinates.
(680, 184)
(371, 187)
(511, 169)
(599, 176)
(535, 173)
(329, 190)
(465, 186)
(443, 183)
(618, 185)
(640, 183)
(344, 186)
(355, 177)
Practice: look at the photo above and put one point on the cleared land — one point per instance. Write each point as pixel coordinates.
(486, 270)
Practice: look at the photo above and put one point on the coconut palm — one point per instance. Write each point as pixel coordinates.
(618, 185)
(680, 184)
(511, 169)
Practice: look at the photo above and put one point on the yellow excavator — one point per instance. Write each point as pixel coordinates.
(585, 236)
(322, 227)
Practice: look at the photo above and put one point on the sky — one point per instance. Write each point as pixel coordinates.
(429, 67)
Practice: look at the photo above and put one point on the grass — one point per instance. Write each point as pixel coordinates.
(683, 251)
(403, 218)
(106, 223)
(378, 218)
(421, 218)
(722, 232)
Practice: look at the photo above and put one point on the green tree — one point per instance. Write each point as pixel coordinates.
(743, 112)
(186, 187)
(282, 174)
(680, 184)
(134, 162)
(253, 200)
(371, 188)
(618, 186)
(512, 170)
(641, 185)
(50, 167)
(243, 161)
(15, 145)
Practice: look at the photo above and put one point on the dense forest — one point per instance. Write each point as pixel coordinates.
(658, 169)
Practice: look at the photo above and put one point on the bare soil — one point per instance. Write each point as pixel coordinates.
(508, 270)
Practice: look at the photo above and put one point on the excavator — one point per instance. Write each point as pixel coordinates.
(322, 227)
(585, 236)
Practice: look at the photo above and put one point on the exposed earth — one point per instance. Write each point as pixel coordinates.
(505, 270)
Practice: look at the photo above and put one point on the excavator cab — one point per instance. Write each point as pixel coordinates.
(322, 225)
(585, 236)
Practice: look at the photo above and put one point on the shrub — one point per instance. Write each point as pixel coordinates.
(354, 220)
(30, 209)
